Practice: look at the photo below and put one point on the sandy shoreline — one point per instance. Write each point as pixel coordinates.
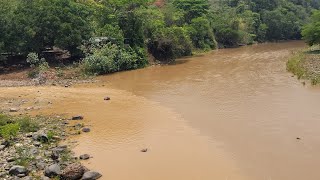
(119, 133)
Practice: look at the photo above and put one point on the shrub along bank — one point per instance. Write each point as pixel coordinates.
(306, 64)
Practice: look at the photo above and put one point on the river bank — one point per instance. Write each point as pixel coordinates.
(37, 147)
(305, 64)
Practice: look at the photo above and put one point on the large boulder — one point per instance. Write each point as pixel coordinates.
(15, 170)
(84, 156)
(42, 137)
(91, 175)
(73, 172)
(52, 171)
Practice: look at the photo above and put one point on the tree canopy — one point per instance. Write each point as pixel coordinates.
(174, 29)
(311, 31)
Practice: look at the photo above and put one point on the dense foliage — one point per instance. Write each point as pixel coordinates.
(311, 32)
(167, 29)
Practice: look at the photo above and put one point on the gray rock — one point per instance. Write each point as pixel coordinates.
(29, 108)
(79, 117)
(73, 171)
(6, 143)
(26, 178)
(47, 153)
(86, 129)
(91, 175)
(84, 156)
(44, 178)
(2, 174)
(63, 146)
(2, 147)
(41, 165)
(10, 159)
(58, 149)
(52, 171)
(14, 110)
(37, 144)
(42, 137)
(21, 175)
(54, 155)
(34, 151)
(15, 170)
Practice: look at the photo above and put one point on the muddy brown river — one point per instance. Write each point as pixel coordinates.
(232, 114)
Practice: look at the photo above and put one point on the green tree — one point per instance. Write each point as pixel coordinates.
(311, 31)
(201, 33)
(40, 24)
(192, 8)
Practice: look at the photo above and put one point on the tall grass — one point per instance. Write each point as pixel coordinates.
(295, 66)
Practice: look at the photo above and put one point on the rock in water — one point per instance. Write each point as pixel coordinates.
(77, 118)
(52, 171)
(144, 150)
(86, 129)
(85, 156)
(15, 170)
(91, 175)
(73, 171)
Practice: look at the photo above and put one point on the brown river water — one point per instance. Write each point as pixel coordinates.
(232, 114)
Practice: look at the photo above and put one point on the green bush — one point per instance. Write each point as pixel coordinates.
(37, 64)
(4, 120)
(172, 43)
(294, 65)
(33, 73)
(201, 34)
(33, 59)
(112, 58)
(113, 32)
(311, 31)
(9, 131)
(27, 125)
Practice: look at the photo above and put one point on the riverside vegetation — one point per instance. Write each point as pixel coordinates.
(30, 149)
(306, 64)
(107, 36)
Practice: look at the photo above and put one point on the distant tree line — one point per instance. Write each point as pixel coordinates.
(135, 28)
